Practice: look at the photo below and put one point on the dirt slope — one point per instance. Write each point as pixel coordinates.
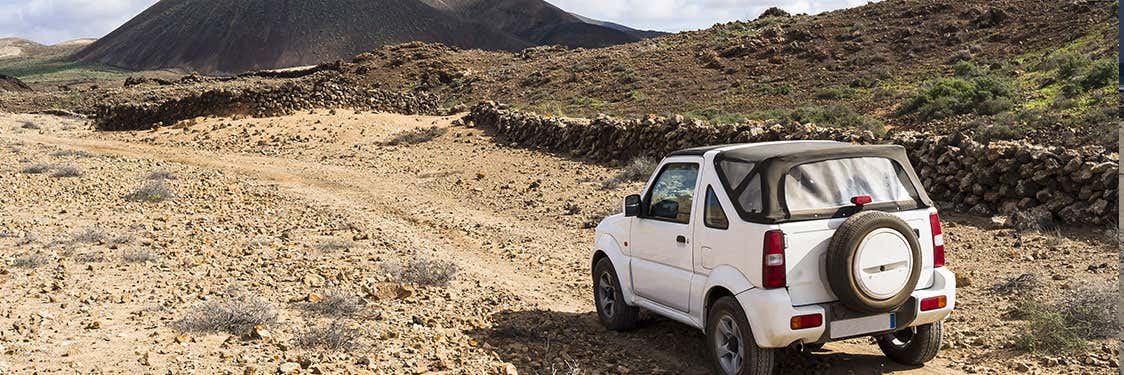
(504, 215)
(213, 36)
(12, 84)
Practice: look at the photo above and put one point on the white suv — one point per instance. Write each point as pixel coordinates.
(781, 244)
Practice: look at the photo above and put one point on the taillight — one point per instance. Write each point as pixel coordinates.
(773, 272)
(933, 303)
(938, 240)
(806, 321)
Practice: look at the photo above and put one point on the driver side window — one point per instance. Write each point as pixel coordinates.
(673, 193)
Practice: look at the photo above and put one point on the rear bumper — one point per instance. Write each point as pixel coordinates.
(770, 311)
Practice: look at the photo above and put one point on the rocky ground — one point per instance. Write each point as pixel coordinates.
(300, 219)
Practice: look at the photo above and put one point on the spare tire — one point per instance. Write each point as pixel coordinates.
(873, 262)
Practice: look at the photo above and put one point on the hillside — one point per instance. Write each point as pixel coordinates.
(48, 66)
(217, 37)
(1039, 69)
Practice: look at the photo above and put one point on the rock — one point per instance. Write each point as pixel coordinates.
(313, 280)
(962, 279)
(289, 368)
(507, 369)
(1034, 219)
(774, 12)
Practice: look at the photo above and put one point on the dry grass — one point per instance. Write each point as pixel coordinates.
(237, 316)
(153, 191)
(422, 271)
(336, 336)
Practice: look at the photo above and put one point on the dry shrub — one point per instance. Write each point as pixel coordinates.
(236, 315)
(138, 256)
(31, 260)
(1066, 325)
(161, 175)
(37, 168)
(153, 191)
(422, 271)
(335, 302)
(92, 234)
(334, 244)
(336, 336)
(71, 153)
(1020, 284)
(416, 136)
(639, 169)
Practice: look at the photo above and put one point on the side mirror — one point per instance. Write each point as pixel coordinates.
(632, 205)
(667, 209)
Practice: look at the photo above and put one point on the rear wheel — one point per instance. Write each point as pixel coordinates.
(913, 348)
(732, 348)
(613, 312)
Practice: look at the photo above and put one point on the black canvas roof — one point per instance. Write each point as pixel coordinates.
(773, 160)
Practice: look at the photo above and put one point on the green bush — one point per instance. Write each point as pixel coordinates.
(1046, 330)
(1064, 326)
(947, 97)
(1102, 73)
(831, 116)
(836, 92)
(716, 116)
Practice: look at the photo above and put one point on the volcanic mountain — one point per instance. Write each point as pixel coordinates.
(218, 36)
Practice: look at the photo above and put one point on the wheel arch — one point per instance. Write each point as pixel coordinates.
(607, 247)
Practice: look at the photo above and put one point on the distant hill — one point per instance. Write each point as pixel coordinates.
(13, 48)
(224, 37)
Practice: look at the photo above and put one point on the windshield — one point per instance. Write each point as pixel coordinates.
(832, 183)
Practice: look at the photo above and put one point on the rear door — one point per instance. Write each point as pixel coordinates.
(827, 187)
(662, 256)
(806, 255)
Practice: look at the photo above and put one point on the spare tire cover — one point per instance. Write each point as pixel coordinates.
(873, 262)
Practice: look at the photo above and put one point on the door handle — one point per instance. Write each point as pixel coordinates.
(681, 239)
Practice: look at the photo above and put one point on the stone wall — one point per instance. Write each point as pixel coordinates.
(260, 101)
(1034, 185)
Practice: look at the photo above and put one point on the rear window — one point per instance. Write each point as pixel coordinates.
(832, 183)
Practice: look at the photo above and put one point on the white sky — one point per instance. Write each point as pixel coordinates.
(53, 21)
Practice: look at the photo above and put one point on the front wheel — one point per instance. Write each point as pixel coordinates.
(614, 313)
(730, 340)
(913, 348)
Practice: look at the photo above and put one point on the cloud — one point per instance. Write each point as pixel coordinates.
(53, 21)
(679, 15)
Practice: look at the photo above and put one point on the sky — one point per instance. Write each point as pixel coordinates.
(53, 21)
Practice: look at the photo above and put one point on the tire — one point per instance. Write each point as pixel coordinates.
(728, 334)
(910, 348)
(841, 258)
(612, 310)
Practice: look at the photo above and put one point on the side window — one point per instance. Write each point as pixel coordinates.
(713, 215)
(673, 192)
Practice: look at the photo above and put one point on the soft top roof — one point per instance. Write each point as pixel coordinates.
(773, 161)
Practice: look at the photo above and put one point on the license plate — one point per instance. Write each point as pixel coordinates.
(867, 324)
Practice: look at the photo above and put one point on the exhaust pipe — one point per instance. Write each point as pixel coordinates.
(797, 346)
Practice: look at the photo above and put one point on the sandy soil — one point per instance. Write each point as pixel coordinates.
(255, 200)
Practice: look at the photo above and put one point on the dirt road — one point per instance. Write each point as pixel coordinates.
(419, 196)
